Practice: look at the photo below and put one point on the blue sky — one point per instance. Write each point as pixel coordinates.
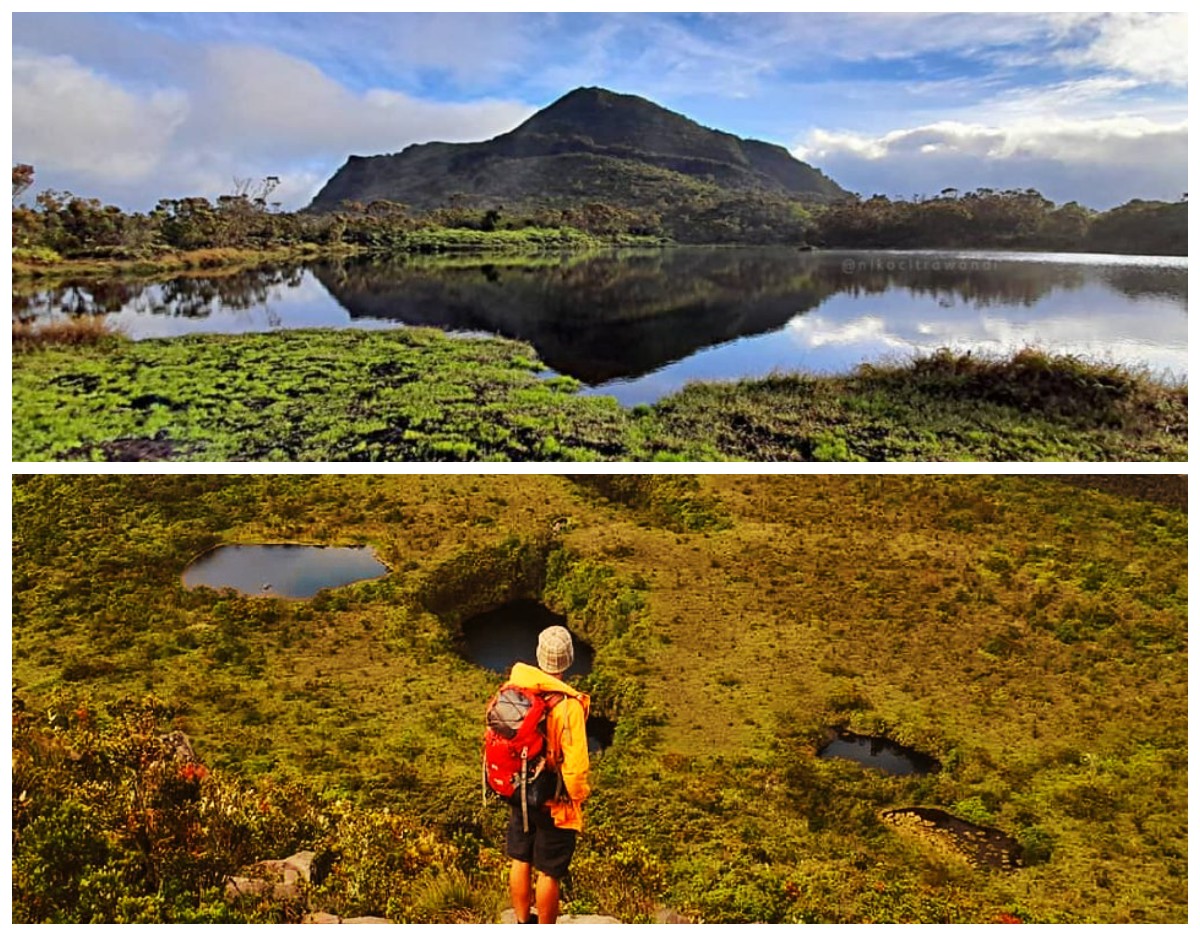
(132, 107)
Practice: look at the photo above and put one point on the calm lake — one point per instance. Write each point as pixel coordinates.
(640, 324)
(283, 571)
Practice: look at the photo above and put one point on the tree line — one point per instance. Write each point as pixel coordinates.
(64, 225)
(1013, 218)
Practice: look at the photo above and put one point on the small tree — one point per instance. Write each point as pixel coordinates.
(22, 179)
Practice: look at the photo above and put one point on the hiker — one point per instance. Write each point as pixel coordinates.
(550, 840)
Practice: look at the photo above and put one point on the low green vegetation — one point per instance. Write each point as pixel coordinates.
(306, 396)
(417, 395)
(944, 407)
(1029, 634)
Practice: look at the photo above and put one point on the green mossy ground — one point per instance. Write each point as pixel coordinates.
(1030, 634)
(417, 395)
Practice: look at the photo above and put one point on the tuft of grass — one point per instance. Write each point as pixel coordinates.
(78, 331)
(452, 896)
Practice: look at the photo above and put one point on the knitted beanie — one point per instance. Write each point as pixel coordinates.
(555, 652)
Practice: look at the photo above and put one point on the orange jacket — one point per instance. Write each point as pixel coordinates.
(566, 737)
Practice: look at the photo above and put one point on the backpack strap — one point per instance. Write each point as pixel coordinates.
(483, 777)
(551, 699)
(524, 798)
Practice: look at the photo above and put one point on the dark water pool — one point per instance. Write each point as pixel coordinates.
(879, 753)
(283, 571)
(600, 733)
(499, 638)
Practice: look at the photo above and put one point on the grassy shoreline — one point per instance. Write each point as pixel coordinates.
(37, 268)
(418, 395)
(208, 262)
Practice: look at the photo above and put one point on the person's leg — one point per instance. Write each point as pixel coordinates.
(520, 886)
(552, 851)
(547, 899)
(519, 845)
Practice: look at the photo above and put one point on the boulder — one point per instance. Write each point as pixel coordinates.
(279, 877)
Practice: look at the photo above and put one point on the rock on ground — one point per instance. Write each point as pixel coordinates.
(334, 918)
(278, 877)
(510, 916)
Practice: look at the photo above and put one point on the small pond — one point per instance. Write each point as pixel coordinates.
(499, 638)
(879, 753)
(283, 571)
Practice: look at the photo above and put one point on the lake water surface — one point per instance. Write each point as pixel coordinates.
(641, 324)
(283, 571)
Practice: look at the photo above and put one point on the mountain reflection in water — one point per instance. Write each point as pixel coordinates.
(641, 323)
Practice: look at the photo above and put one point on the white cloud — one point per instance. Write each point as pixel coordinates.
(1149, 46)
(272, 104)
(67, 118)
(1098, 162)
(251, 112)
(1146, 46)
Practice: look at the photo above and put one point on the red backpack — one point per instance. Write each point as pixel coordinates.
(514, 747)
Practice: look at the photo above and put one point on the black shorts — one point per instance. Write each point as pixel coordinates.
(547, 847)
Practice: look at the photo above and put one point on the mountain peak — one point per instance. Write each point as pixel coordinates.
(589, 97)
(603, 116)
(590, 144)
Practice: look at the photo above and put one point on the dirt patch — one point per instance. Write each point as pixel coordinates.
(136, 449)
(980, 846)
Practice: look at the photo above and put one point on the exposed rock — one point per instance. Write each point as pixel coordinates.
(587, 919)
(181, 747)
(281, 878)
(321, 917)
(510, 916)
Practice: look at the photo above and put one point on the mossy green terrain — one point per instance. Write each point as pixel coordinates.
(305, 396)
(417, 395)
(1030, 634)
